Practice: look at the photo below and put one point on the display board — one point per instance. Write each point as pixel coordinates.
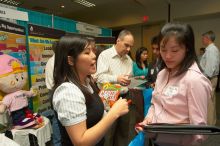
(103, 43)
(13, 42)
(40, 41)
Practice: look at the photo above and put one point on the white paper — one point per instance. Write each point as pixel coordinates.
(136, 82)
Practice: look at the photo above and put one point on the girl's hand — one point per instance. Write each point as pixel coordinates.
(120, 107)
(139, 126)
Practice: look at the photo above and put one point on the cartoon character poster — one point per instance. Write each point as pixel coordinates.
(40, 42)
(13, 43)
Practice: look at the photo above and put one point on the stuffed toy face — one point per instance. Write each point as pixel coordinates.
(13, 75)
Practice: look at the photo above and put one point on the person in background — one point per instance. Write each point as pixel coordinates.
(115, 66)
(92, 44)
(155, 66)
(98, 51)
(181, 91)
(99, 48)
(140, 66)
(50, 113)
(49, 69)
(210, 62)
(75, 98)
(140, 71)
(201, 52)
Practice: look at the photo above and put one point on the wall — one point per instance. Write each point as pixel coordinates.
(142, 36)
(131, 12)
(137, 32)
(200, 24)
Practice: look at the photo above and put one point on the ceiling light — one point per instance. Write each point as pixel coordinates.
(10, 2)
(84, 3)
(62, 6)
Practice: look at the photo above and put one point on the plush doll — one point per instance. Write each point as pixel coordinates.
(13, 77)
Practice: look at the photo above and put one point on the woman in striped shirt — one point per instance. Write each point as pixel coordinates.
(75, 98)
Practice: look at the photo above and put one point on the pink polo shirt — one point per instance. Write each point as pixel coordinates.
(181, 99)
(17, 100)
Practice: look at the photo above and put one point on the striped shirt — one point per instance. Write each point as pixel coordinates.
(110, 65)
(70, 104)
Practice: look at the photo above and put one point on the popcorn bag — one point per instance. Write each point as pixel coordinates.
(109, 94)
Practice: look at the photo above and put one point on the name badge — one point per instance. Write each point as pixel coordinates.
(171, 91)
(152, 71)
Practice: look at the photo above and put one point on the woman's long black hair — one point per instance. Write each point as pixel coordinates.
(184, 36)
(63, 71)
(138, 57)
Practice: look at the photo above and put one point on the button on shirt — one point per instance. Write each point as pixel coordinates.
(210, 61)
(181, 99)
(110, 65)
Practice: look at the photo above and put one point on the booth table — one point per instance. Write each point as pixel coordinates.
(4, 118)
(5, 141)
(43, 134)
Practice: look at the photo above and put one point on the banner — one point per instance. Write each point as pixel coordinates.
(88, 29)
(13, 14)
(40, 48)
(13, 41)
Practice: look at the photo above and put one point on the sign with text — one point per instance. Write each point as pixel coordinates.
(88, 29)
(13, 14)
(13, 43)
(40, 47)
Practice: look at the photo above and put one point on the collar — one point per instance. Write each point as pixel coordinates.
(88, 85)
(210, 45)
(195, 67)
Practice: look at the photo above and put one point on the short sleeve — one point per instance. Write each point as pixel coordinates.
(69, 103)
(7, 100)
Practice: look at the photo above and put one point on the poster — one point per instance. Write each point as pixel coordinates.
(13, 43)
(40, 49)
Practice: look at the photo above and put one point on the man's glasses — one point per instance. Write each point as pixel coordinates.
(127, 45)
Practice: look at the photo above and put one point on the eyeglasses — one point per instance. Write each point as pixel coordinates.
(127, 45)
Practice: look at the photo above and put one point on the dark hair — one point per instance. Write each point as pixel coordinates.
(184, 36)
(54, 46)
(138, 57)
(155, 40)
(91, 39)
(210, 34)
(63, 71)
(202, 49)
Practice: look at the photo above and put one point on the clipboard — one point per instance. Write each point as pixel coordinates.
(185, 129)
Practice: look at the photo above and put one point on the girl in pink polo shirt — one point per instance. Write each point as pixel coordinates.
(181, 92)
